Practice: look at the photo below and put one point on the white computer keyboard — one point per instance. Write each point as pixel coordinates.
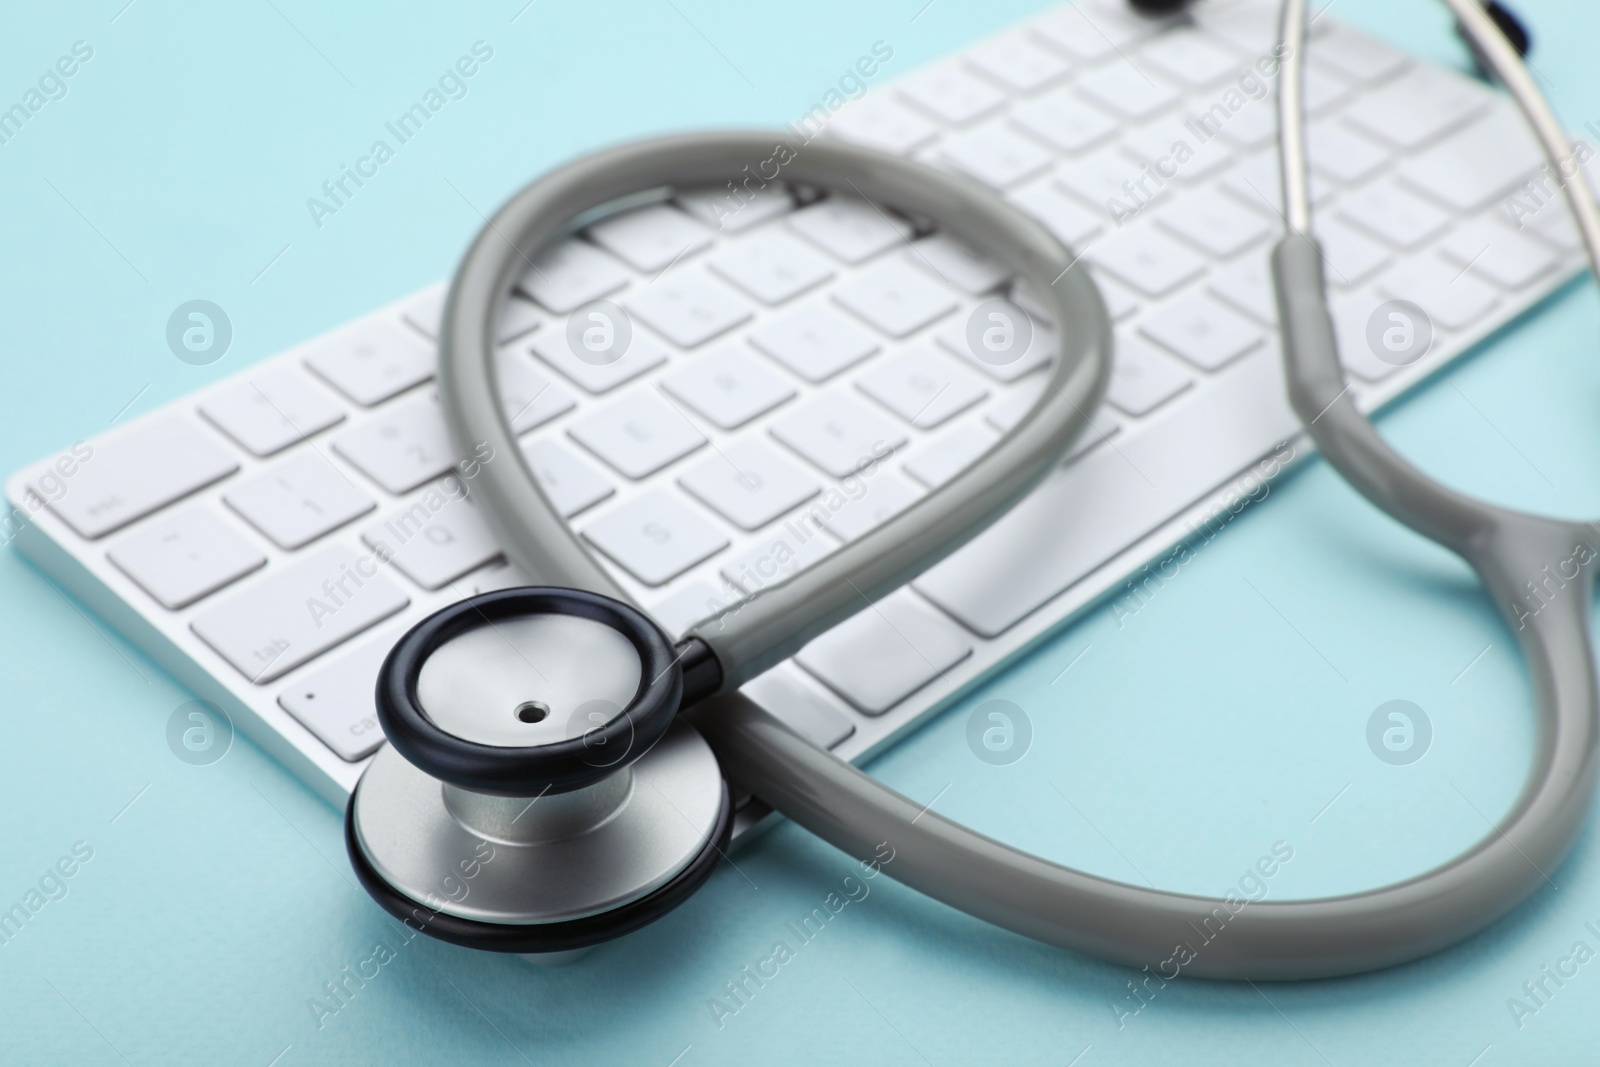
(267, 538)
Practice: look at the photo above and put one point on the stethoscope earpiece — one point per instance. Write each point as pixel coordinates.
(536, 794)
(1508, 24)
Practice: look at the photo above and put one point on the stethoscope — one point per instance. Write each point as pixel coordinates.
(541, 792)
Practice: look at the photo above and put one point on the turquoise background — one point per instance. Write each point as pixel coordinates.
(1180, 747)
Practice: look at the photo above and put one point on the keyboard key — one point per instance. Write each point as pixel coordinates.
(735, 210)
(798, 706)
(923, 386)
(572, 484)
(570, 274)
(425, 314)
(438, 538)
(851, 229)
(884, 653)
(1143, 379)
(271, 410)
(1089, 35)
(1258, 183)
(779, 555)
(950, 94)
(651, 238)
(298, 499)
(642, 354)
(1356, 55)
(1392, 214)
(130, 473)
(638, 434)
(748, 483)
(886, 495)
(655, 536)
(1202, 331)
(1041, 345)
(727, 386)
(814, 341)
(1477, 165)
(337, 703)
(1351, 314)
(1015, 61)
(1418, 106)
(401, 448)
(838, 433)
(1065, 120)
(529, 398)
(1188, 56)
(771, 265)
(1128, 92)
(693, 603)
(1173, 151)
(1072, 223)
(884, 123)
(1349, 257)
(956, 264)
(895, 297)
(1216, 224)
(184, 555)
(1498, 253)
(1104, 180)
(307, 607)
(995, 155)
(1148, 260)
(950, 453)
(688, 306)
(1453, 298)
(1246, 283)
(373, 361)
(1343, 154)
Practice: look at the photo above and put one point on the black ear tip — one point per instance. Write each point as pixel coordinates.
(1508, 24)
(1158, 7)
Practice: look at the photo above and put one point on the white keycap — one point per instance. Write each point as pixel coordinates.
(1348, 257)
(688, 306)
(517, 318)
(125, 475)
(1063, 216)
(1004, 366)
(1416, 107)
(1476, 165)
(950, 453)
(882, 122)
(651, 238)
(1253, 126)
(728, 386)
(1127, 91)
(697, 601)
(851, 229)
(438, 538)
(1356, 55)
(748, 483)
(1174, 151)
(884, 653)
(1015, 61)
(1453, 298)
(957, 264)
(895, 297)
(923, 386)
(401, 448)
(272, 410)
(1343, 154)
(771, 265)
(800, 707)
(885, 494)
(570, 274)
(1352, 313)
(1246, 283)
(1088, 35)
(372, 361)
(1189, 57)
(655, 536)
(950, 94)
(298, 612)
(1216, 224)
(1105, 181)
(1202, 331)
(838, 433)
(1007, 411)
(637, 434)
(336, 702)
(571, 483)
(995, 155)
(1257, 182)
(1120, 302)
(780, 554)
(1142, 379)
(1148, 260)
(1498, 253)
(814, 341)
(530, 399)
(1325, 91)
(734, 209)
(185, 554)
(298, 499)
(426, 312)
(642, 354)
(1393, 214)
(1065, 120)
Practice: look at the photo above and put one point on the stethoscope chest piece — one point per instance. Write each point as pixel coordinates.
(538, 793)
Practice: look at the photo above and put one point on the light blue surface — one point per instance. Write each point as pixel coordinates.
(1223, 717)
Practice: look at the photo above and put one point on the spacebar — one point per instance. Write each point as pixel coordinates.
(1085, 514)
